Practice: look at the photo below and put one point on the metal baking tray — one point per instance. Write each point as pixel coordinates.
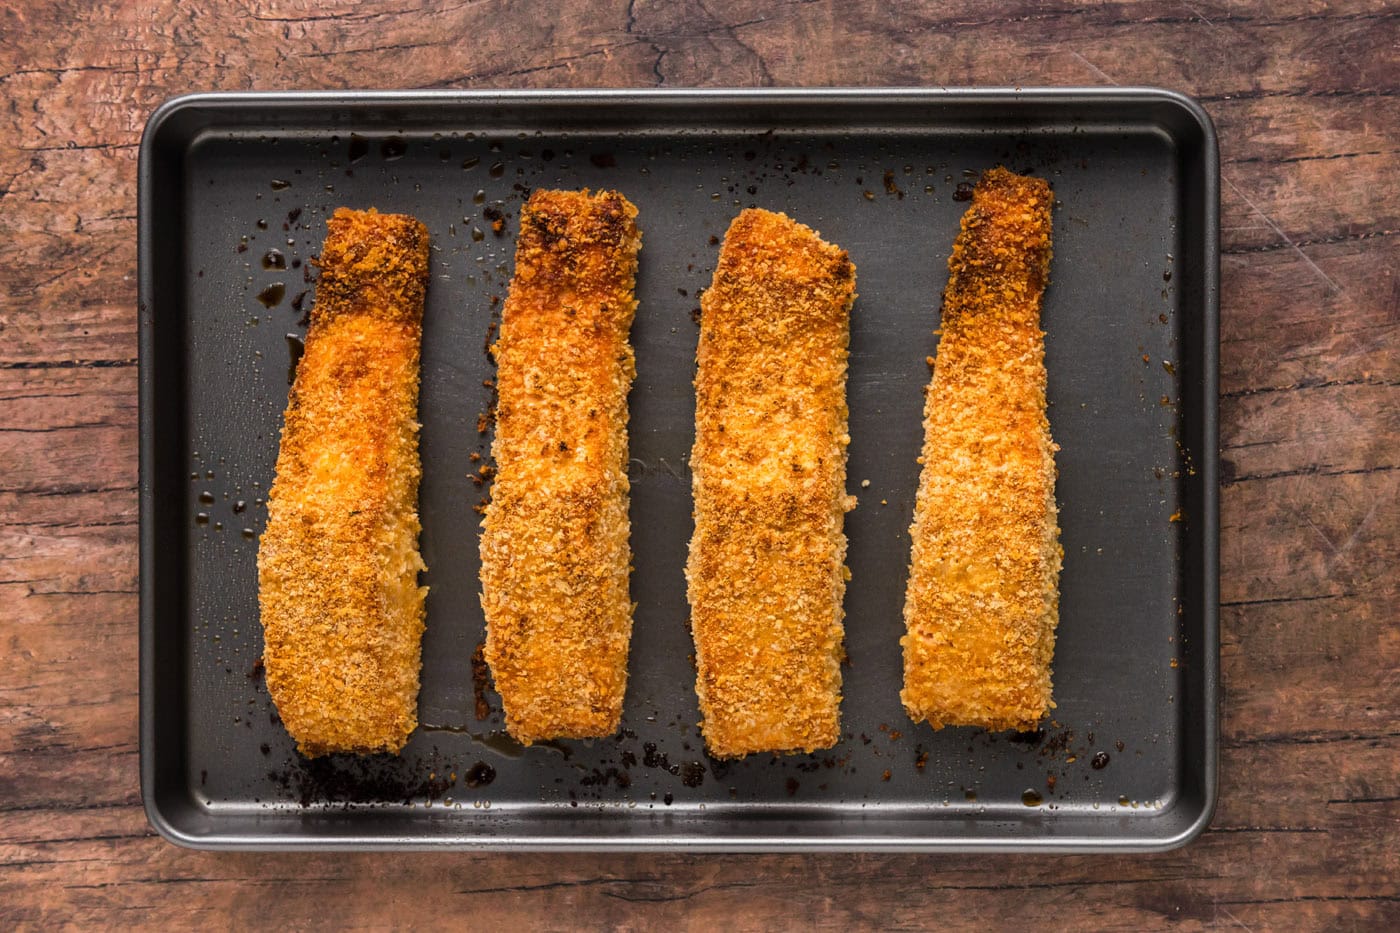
(1129, 760)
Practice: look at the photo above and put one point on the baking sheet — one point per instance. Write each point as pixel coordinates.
(1128, 761)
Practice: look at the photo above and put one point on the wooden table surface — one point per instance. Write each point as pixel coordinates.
(1306, 96)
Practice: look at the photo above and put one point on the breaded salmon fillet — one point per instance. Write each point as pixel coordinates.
(983, 595)
(338, 565)
(555, 556)
(766, 570)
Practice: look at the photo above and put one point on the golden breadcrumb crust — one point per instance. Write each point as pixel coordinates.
(983, 595)
(766, 574)
(338, 565)
(555, 557)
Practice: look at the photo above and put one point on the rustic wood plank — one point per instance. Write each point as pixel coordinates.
(1307, 101)
(1333, 644)
(837, 890)
(1271, 435)
(1308, 536)
(1287, 326)
(68, 429)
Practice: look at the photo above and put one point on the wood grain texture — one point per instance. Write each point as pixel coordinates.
(1306, 97)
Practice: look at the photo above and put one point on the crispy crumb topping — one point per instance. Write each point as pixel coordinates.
(342, 611)
(765, 572)
(555, 557)
(983, 595)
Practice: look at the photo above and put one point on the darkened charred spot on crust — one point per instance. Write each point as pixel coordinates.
(372, 262)
(549, 222)
(613, 224)
(1005, 238)
(544, 225)
(1039, 276)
